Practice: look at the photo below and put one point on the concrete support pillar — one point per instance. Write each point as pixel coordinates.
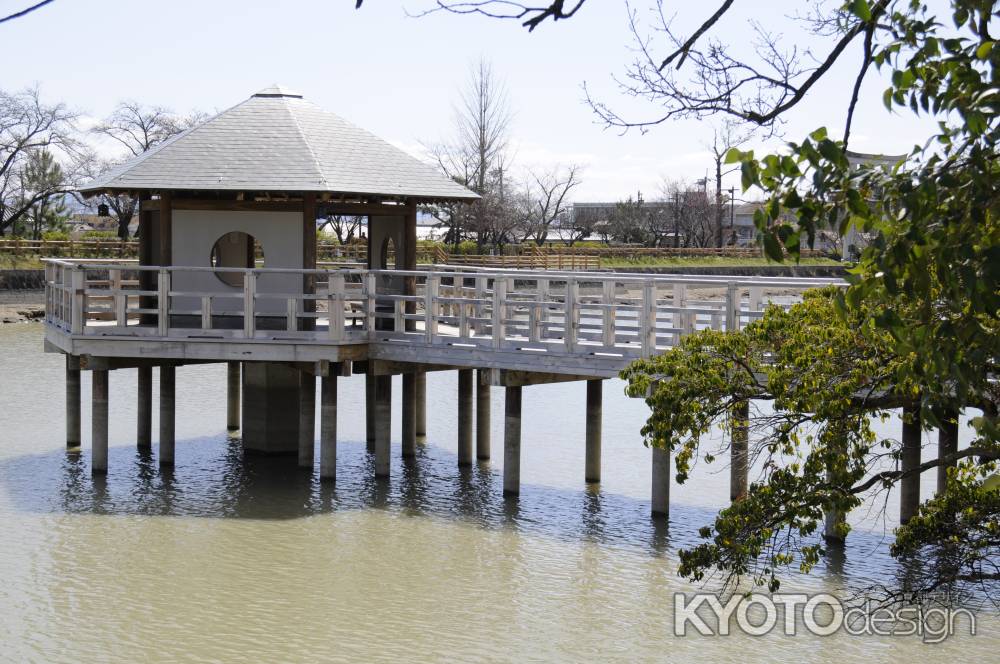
(595, 397)
(947, 444)
(168, 382)
(144, 407)
(383, 424)
(409, 414)
(661, 482)
(270, 404)
(738, 468)
(482, 418)
(328, 428)
(232, 396)
(834, 518)
(307, 419)
(99, 422)
(464, 417)
(370, 411)
(909, 487)
(512, 442)
(72, 401)
(421, 403)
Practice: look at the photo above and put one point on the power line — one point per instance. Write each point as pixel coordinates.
(25, 12)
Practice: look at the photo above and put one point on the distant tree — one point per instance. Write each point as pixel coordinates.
(547, 191)
(136, 128)
(41, 181)
(728, 135)
(344, 226)
(29, 125)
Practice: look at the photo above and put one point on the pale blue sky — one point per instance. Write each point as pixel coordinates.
(399, 76)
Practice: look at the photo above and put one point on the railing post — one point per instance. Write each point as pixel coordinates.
(478, 309)
(335, 305)
(78, 311)
(292, 317)
(249, 304)
(732, 307)
(543, 313)
(499, 299)
(370, 285)
(572, 314)
(206, 312)
(398, 321)
(431, 287)
(647, 322)
(756, 295)
(608, 319)
(163, 302)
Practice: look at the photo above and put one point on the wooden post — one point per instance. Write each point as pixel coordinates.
(947, 444)
(909, 487)
(661, 482)
(144, 407)
(732, 307)
(232, 395)
(168, 382)
(431, 287)
(72, 401)
(307, 419)
(335, 305)
(647, 322)
(608, 315)
(420, 390)
(249, 304)
(512, 441)
(465, 417)
(739, 450)
(328, 428)
(592, 467)
(383, 424)
(370, 410)
(499, 300)
(99, 422)
(409, 414)
(308, 322)
(163, 302)
(482, 417)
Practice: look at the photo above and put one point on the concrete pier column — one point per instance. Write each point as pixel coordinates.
(307, 419)
(833, 519)
(168, 383)
(328, 428)
(661, 482)
(739, 449)
(595, 397)
(72, 401)
(370, 411)
(482, 418)
(144, 407)
(909, 487)
(99, 422)
(464, 417)
(270, 408)
(421, 403)
(409, 414)
(512, 442)
(232, 395)
(947, 444)
(383, 424)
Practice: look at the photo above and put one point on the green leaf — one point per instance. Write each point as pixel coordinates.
(772, 248)
(861, 9)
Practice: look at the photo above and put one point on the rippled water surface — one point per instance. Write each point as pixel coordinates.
(229, 558)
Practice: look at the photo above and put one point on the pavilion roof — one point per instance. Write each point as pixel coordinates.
(276, 141)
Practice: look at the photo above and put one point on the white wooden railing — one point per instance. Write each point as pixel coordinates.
(559, 313)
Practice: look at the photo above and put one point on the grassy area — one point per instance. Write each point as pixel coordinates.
(11, 262)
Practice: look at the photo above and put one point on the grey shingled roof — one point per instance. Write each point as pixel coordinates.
(278, 141)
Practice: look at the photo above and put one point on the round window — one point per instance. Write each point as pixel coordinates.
(235, 249)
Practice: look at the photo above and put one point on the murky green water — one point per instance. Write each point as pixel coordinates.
(226, 558)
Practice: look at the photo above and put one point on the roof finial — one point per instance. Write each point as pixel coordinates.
(276, 90)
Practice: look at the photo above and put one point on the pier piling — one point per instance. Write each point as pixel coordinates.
(307, 419)
(465, 417)
(661, 482)
(909, 486)
(328, 428)
(232, 396)
(482, 418)
(738, 468)
(99, 422)
(592, 469)
(144, 407)
(168, 382)
(370, 411)
(512, 441)
(947, 444)
(420, 391)
(383, 423)
(72, 401)
(409, 410)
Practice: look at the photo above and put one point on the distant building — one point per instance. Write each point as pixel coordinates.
(854, 241)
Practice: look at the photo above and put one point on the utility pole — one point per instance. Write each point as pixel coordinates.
(732, 213)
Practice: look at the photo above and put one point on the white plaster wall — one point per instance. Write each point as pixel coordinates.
(195, 232)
